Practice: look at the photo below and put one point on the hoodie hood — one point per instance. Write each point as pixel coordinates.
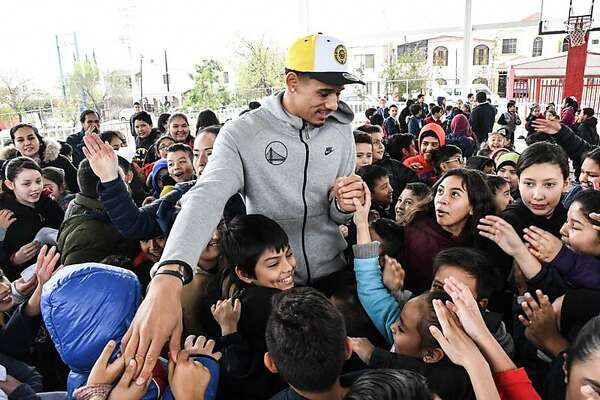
(437, 129)
(158, 166)
(274, 104)
(460, 125)
(52, 150)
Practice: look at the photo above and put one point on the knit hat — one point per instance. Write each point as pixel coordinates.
(510, 158)
(321, 57)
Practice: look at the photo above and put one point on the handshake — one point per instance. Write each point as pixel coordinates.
(345, 190)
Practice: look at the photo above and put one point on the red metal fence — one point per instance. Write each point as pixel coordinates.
(550, 90)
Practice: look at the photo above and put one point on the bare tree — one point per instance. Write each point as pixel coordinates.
(15, 93)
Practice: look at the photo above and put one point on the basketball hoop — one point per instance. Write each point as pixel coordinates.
(577, 28)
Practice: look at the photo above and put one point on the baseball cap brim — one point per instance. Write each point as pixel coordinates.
(335, 78)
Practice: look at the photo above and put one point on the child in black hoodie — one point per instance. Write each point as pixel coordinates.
(258, 252)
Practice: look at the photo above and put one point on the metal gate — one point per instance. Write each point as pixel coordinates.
(550, 90)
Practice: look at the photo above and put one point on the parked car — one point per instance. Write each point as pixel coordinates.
(125, 114)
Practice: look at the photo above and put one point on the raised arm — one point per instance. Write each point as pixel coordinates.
(159, 316)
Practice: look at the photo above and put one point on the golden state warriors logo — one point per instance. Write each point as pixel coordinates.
(276, 153)
(340, 53)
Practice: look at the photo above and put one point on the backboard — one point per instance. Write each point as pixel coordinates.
(555, 13)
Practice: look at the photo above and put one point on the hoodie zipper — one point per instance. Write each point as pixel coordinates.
(307, 153)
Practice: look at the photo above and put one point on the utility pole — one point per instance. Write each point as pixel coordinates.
(141, 77)
(166, 77)
(466, 62)
(60, 68)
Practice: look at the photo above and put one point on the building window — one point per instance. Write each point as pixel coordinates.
(480, 81)
(440, 56)
(565, 44)
(441, 81)
(226, 77)
(365, 60)
(502, 79)
(538, 44)
(509, 46)
(481, 55)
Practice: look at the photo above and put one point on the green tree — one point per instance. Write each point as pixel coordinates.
(209, 89)
(85, 82)
(260, 72)
(409, 67)
(118, 95)
(16, 94)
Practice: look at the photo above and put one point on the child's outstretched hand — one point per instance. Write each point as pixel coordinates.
(188, 379)
(502, 233)
(104, 372)
(466, 308)
(543, 245)
(363, 349)
(7, 218)
(126, 388)
(455, 342)
(540, 323)
(200, 346)
(46, 262)
(227, 313)
(44, 268)
(393, 274)
(361, 215)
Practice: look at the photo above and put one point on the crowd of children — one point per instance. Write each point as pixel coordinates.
(470, 271)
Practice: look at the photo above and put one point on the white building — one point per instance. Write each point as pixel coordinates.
(494, 48)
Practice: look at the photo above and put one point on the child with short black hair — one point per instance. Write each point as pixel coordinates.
(307, 344)
(401, 146)
(180, 162)
(447, 157)
(500, 189)
(262, 263)
(416, 197)
(378, 181)
(390, 384)
(364, 149)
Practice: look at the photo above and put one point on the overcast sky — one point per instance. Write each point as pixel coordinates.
(200, 29)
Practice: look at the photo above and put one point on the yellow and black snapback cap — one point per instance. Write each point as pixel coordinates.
(321, 57)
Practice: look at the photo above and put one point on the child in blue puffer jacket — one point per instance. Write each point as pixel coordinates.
(86, 334)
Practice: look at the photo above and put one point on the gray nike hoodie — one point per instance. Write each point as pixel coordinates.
(284, 168)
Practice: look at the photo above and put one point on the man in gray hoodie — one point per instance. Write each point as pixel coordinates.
(293, 160)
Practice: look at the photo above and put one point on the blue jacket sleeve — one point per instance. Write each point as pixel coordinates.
(378, 302)
(132, 222)
(581, 270)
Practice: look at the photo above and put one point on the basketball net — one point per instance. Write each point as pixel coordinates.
(577, 28)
